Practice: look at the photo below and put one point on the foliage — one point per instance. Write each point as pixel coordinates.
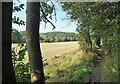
(58, 37)
(23, 36)
(22, 70)
(17, 8)
(109, 71)
(102, 19)
(16, 37)
(51, 37)
(70, 68)
(46, 13)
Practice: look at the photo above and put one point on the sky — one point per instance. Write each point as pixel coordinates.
(60, 24)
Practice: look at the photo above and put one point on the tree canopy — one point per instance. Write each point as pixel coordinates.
(102, 19)
(16, 37)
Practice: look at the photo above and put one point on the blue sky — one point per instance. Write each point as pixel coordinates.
(61, 25)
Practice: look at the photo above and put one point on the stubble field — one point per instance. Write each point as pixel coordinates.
(52, 50)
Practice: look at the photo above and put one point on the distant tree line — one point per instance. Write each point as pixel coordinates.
(58, 37)
(20, 37)
(16, 36)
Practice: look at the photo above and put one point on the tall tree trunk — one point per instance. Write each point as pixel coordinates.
(8, 74)
(90, 42)
(88, 39)
(33, 44)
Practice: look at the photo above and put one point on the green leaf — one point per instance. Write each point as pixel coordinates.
(21, 54)
(21, 45)
(17, 19)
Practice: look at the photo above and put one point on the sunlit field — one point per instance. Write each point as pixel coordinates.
(52, 50)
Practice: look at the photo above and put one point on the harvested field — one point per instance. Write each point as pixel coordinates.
(52, 50)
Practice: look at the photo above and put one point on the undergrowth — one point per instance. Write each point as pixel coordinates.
(21, 67)
(71, 68)
(22, 70)
(109, 71)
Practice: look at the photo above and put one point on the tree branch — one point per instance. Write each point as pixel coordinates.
(46, 17)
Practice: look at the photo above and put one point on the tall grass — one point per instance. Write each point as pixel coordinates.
(70, 68)
(109, 71)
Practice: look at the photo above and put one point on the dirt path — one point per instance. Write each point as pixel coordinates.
(96, 71)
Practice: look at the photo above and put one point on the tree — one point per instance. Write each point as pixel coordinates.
(76, 13)
(16, 37)
(34, 16)
(23, 36)
(8, 74)
(100, 18)
(47, 39)
(33, 45)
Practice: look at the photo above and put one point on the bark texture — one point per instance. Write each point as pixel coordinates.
(33, 44)
(88, 39)
(8, 74)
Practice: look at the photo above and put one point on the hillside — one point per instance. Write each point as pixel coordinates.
(49, 37)
(58, 36)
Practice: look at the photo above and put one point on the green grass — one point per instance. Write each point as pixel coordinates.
(70, 68)
(109, 72)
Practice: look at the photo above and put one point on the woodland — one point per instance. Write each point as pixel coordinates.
(49, 37)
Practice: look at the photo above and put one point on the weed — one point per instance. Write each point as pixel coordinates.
(109, 72)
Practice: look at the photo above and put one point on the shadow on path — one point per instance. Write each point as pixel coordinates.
(96, 70)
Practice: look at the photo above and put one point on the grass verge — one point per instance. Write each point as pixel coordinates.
(109, 71)
(70, 68)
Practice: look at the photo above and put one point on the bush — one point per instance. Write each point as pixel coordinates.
(109, 71)
(22, 70)
(16, 37)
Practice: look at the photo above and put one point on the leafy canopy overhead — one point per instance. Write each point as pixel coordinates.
(46, 13)
(101, 18)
